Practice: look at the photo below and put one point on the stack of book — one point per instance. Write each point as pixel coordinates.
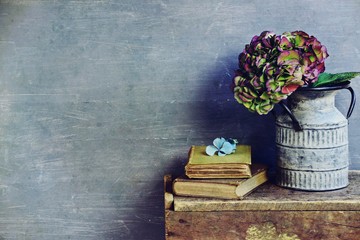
(228, 177)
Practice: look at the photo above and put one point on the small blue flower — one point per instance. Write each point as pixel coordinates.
(221, 146)
(233, 143)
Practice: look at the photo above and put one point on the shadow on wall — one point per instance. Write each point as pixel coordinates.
(215, 113)
(219, 114)
(142, 217)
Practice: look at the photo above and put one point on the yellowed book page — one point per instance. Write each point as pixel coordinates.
(200, 189)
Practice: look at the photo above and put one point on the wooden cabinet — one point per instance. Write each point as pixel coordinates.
(270, 212)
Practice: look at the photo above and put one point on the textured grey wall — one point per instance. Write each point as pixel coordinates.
(99, 99)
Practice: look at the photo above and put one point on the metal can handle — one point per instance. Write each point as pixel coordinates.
(296, 123)
(352, 102)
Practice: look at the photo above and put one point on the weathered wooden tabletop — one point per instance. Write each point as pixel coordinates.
(270, 212)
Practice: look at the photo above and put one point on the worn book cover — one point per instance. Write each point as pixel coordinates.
(197, 155)
(221, 188)
(235, 165)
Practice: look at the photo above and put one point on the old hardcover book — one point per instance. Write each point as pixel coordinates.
(198, 156)
(220, 188)
(235, 165)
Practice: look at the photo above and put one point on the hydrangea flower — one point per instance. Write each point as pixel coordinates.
(273, 66)
(221, 146)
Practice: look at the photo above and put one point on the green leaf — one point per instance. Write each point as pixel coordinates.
(329, 79)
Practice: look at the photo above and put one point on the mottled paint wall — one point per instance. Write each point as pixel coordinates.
(99, 99)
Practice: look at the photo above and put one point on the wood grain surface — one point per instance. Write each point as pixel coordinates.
(263, 225)
(269, 213)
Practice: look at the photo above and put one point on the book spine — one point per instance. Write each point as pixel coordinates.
(190, 156)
